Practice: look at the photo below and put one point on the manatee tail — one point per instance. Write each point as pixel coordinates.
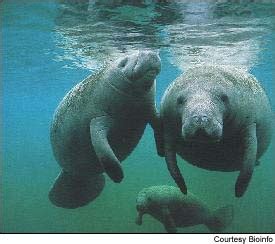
(72, 192)
(220, 219)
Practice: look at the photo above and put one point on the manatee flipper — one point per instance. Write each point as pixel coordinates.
(220, 219)
(99, 128)
(156, 124)
(250, 154)
(168, 221)
(171, 161)
(72, 192)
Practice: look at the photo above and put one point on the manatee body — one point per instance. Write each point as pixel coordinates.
(99, 123)
(173, 209)
(216, 118)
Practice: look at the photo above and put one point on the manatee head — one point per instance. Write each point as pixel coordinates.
(141, 69)
(202, 112)
(143, 203)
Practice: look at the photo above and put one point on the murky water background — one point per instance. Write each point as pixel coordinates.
(49, 46)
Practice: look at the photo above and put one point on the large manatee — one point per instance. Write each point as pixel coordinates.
(174, 209)
(99, 123)
(217, 118)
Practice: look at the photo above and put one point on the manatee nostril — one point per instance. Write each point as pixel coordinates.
(204, 118)
(195, 118)
(200, 119)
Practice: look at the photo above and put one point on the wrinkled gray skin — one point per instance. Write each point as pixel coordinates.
(173, 209)
(99, 123)
(217, 118)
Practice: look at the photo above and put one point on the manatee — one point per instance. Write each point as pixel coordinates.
(99, 123)
(216, 118)
(173, 209)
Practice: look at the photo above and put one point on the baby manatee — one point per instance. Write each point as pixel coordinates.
(99, 123)
(216, 118)
(173, 209)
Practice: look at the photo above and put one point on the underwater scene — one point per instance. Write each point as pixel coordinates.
(210, 47)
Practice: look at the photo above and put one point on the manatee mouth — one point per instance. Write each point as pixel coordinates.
(203, 134)
(150, 75)
(141, 208)
(202, 139)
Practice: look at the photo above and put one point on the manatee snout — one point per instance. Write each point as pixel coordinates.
(139, 218)
(201, 116)
(149, 58)
(143, 65)
(141, 210)
(142, 204)
(202, 128)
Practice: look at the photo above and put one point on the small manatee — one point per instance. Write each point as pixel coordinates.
(99, 123)
(173, 209)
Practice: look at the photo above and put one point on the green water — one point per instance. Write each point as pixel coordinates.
(47, 47)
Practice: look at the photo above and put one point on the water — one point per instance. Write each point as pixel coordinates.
(48, 47)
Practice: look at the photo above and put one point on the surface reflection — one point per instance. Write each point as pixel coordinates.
(224, 32)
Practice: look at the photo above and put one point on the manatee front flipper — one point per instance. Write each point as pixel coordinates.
(171, 161)
(156, 124)
(168, 221)
(250, 154)
(70, 191)
(99, 128)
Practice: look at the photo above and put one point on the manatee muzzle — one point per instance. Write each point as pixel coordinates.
(139, 218)
(141, 208)
(202, 129)
(147, 65)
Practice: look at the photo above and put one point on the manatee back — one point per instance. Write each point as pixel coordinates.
(170, 195)
(69, 131)
(226, 76)
(74, 101)
(186, 210)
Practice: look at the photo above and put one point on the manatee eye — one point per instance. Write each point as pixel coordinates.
(224, 98)
(149, 199)
(180, 100)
